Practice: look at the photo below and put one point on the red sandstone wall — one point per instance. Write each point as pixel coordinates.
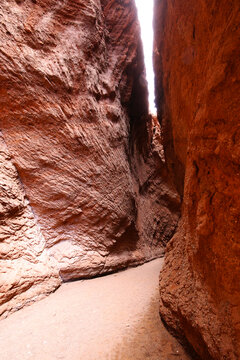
(197, 67)
(73, 103)
(26, 270)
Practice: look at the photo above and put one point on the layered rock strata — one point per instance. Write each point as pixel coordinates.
(197, 66)
(73, 110)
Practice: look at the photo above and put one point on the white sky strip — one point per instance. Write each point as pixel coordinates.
(145, 15)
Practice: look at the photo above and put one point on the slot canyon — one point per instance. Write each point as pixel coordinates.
(92, 183)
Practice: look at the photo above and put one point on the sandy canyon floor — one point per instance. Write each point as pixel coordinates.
(114, 317)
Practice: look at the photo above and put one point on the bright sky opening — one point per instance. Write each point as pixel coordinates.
(145, 15)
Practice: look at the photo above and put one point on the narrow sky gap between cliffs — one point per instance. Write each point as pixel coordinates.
(145, 16)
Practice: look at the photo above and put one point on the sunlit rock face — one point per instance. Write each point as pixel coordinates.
(26, 270)
(197, 67)
(78, 140)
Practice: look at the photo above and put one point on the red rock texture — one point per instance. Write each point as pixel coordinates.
(26, 271)
(197, 67)
(157, 201)
(74, 118)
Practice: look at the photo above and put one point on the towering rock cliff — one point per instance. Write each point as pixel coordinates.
(80, 185)
(197, 66)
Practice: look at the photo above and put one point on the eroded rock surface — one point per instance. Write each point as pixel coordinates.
(25, 266)
(197, 66)
(74, 108)
(64, 125)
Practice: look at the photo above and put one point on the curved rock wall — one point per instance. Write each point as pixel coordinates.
(26, 270)
(73, 110)
(197, 67)
(65, 127)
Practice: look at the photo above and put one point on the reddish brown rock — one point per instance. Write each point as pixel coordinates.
(198, 86)
(156, 199)
(26, 271)
(64, 125)
(73, 117)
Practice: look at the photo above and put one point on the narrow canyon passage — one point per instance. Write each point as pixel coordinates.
(113, 317)
(92, 182)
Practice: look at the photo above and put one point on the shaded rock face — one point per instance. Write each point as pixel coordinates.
(157, 201)
(197, 66)
(73, 111)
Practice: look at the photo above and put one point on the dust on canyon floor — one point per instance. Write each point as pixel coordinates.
(114, 317)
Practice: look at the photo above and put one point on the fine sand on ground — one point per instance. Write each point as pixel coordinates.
(114, 317)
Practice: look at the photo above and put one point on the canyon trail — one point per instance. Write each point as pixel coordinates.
(114, 317)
